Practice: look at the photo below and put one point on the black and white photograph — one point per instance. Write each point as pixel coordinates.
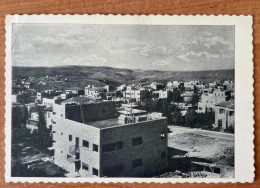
(123, 100)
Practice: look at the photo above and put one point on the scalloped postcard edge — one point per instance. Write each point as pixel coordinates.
(244, 104)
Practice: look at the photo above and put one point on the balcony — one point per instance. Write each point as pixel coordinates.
(74, 151)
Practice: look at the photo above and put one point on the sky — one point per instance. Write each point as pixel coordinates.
(148, 47)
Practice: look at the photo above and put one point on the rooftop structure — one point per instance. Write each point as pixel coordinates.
(92, 140)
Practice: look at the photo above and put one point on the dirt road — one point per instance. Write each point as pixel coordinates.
(180, 130)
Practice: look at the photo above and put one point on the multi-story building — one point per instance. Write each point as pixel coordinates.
(90, 139)
(136, 94)
(48, 102)
(161, 94)
(224, 115)
(95, 92)
(208, 100)
(157, 86)
(187, 96)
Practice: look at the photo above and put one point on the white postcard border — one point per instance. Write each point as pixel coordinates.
(244, 130)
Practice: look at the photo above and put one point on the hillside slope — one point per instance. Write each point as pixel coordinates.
(116, 76)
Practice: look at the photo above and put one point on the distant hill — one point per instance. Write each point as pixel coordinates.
(108, 75)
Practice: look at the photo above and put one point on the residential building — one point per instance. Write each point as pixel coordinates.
(157, 86)
(132, 93)
(92, 140)
(161, 94)
(48, 102)
(95, 92)
(208, 100)
(33, 122)
(187, 96)
(224, 115)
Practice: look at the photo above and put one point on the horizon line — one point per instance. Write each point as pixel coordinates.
(120, 68)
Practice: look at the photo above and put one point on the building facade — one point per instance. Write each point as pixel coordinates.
(105, 146)
(225, 115)
(208, 100)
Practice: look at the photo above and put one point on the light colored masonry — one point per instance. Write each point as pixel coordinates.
(94, 139)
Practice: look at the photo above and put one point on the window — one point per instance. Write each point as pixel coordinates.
(137, 141)
(221, 111)
(61, 115)
(163, 136)
(61, 133)
(163, 155)
(60, 151)
(68, 156)
(49, 115)
(137, 163)
(70, 138)
(85, 144)
(95, 171)
(95, 147)
(84, 166)
(112, 147)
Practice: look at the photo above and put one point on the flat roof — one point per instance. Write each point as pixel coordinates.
(104, 123)
(134, 111)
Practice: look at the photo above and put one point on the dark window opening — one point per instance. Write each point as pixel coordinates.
(68, 156)
(112, 147)
(95, 147)
(95, 171)
(137, 141)
(137, 163)
(84, 166)
(85, 144)
(221, 111)
(70, 137)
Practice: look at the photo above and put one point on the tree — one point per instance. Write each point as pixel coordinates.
(169, 96)
(25, 114)
(177, 117)
(44, 137)
(191, 118)
(194, 99)
(176, 95)
(195, 89)
(19, 116)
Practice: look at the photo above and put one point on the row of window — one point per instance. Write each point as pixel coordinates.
(120, 168)
(85, 143)
(113, 146)
(119, 145)
(85, 167)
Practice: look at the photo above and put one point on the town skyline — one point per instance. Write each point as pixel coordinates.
(152, 47)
